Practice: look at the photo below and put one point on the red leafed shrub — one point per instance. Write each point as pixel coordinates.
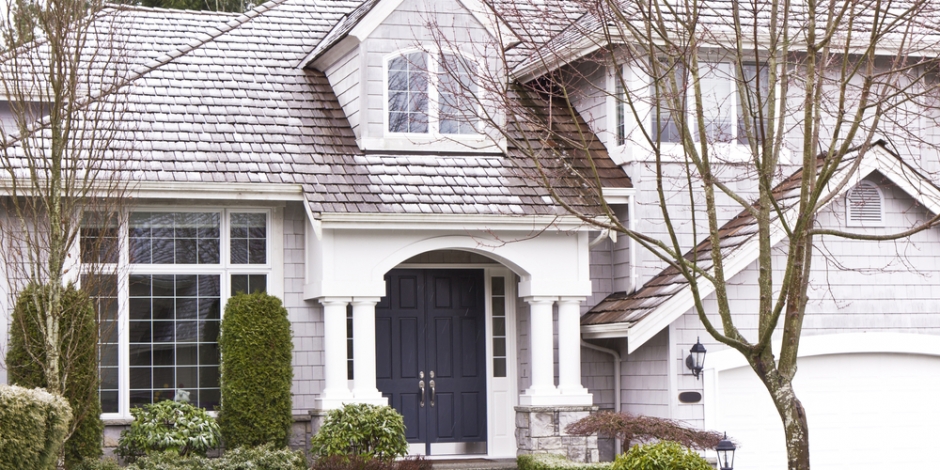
(637, 429)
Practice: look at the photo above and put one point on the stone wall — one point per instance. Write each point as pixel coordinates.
(541, 430)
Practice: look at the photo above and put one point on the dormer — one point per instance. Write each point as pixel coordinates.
(397, 78)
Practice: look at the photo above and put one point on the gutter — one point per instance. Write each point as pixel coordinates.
(617, 387)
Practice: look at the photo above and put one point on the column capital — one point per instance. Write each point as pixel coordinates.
(539, 299)
(570, 300)
(365, 300)
(334, 300)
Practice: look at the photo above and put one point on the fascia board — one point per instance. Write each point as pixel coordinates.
(911, 182)
(333, 54)
(491, 22)
(374, 18)
(536, 69)
(447, 222)
(206, 191)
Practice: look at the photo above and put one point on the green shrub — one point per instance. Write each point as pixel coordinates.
(338, 462)
(555, 462)
(99, 464)
(243, 458)
(664, 455)
(168, 426)
(33, 425)
(366, 430)
(266, 457)
(78, 362)
(256, 372)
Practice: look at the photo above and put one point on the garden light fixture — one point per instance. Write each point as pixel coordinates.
(725, 449)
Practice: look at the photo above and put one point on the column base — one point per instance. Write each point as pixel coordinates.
(543, 430)
(333, 399)
(371, 397)
(556, 399)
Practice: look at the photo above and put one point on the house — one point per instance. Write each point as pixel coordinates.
(425, 265)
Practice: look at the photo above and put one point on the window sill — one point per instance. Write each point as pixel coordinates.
(476, 144)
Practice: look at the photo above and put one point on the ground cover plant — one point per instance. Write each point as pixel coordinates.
(355, 462)
(555, 462)
(663, 455)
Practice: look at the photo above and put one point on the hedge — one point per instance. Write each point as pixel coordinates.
(555, 462)
(368, 431)
(257, 458)
(78, 332)
(663, 455)
(256, 348)
(33, 424)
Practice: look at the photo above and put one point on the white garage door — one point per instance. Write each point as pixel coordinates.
(865, 411)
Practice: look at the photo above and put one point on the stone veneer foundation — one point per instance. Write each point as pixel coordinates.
(541, 430)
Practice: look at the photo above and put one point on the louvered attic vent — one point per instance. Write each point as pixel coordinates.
(864, 206)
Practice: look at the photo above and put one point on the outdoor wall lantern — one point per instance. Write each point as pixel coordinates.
(696, 360)
(725, 449)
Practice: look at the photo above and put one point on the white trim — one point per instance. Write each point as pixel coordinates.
(618, 195)
(815, 345)
(334, 220)
(500, 443)
(226, 191)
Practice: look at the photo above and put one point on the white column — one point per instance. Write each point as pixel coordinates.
(541, 354)
(569, 353)
(364, 390)
(336, 391)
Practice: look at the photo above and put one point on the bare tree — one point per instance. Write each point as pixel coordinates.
(789, 95)
(61, 78)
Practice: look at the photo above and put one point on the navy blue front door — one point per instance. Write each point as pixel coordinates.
(430, 356)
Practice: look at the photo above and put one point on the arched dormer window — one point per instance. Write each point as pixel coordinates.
(864, 206)
(430, 96)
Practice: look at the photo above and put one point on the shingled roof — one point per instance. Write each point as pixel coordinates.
(230, 104)
(668, 293)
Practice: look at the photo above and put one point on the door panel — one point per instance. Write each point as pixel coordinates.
(436, 322)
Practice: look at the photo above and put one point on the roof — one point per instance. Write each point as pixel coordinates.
(229, 104)
(641, 314)
(907, 25)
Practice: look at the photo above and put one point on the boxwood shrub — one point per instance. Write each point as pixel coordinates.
(555, 462)
(33, 425)
(364, 430)
(256, 348)
(663, 455)
(78, 334)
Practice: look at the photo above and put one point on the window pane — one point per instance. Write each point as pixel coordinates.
(456, 89)
(756, 83)
(249, 283)
(103, 292)
(668, 100)
(174, 238)
(248, 238)
(168, 352)
(717, 83)
(408, 93)
(99, 238)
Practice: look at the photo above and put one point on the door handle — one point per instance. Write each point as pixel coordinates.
(421, 386)
(432, 388)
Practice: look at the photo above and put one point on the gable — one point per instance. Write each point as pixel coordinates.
(640, 315)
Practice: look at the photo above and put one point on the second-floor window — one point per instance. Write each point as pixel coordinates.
(430, 96)
(723, 112)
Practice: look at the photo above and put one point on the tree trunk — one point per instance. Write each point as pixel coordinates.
(795, 427)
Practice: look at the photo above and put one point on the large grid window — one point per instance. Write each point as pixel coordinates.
(408, 93)
(160, 317)
(174, 334)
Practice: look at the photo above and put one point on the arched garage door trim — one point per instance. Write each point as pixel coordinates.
(817, 345)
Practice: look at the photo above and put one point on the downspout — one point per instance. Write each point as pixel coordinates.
(617, 378)
(631, 224)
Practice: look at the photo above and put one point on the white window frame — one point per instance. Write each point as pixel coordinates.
(477, 141)
(273, 269)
